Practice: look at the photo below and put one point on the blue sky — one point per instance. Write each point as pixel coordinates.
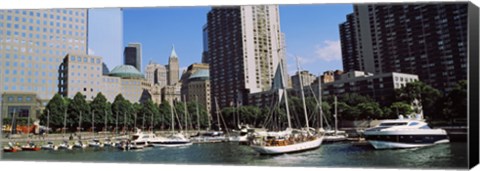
(311, 33)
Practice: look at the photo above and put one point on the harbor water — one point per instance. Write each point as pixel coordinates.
(344, 154)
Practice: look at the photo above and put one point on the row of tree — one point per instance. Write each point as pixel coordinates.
(435, 105)
(78, 113)
(123, 113)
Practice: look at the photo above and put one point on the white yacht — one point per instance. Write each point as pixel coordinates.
(285, 142)
(208, 137)
(290, 140)
(404, 133)
(173, 140)
(240, 136)
(334, 136)
(140, 140)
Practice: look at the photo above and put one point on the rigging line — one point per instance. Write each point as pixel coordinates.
(178, 119)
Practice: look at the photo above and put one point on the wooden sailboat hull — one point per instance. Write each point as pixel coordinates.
(297, 147)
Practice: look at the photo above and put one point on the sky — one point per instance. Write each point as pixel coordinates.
(105, 35)
(311, 33)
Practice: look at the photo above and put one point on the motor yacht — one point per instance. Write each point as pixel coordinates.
(404, 133)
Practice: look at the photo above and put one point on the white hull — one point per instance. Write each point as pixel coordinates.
(207, 139)
(392, 145)
(172, 145)
(308, 145)
(65, 146)
(334, 138)
(238, 138)
(50, 147)
(97, 145)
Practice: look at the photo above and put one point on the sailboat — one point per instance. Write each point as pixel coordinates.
(107, 142)
(335, 135)
(49, 145)
(290, 140)
(65, 144)
(30, 146)
(174, 139)
(210, 136)
(95, 142)
(79, 143)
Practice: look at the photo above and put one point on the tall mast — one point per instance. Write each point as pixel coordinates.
(198, 114)
(143, 121)
(151, 122)
(135, 120)
(286, 98)
(335, 115)
(125, 122)
(64, 122)
(116, 123)
(303, 95)
(93, 123)
(173, 119)
(218, 115)
(320, 100)
(48, 120)
(185, 112)
(80, 122)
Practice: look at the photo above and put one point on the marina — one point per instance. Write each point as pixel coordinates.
(342, 154)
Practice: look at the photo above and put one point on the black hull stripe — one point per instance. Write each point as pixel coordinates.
(410, 139)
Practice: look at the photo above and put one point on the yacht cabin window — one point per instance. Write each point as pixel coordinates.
(393, 124)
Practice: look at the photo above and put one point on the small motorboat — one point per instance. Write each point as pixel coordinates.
(30, 147)
(80, 144)
(49, 146)
(65, 145)
(11, 148)
(95, 143)
(108, 143)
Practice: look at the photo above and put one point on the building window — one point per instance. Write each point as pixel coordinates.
(20, 99)
(10, 99)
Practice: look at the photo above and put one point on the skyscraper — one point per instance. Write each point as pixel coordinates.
(245, 46)
(33, 43)
(172, 71)
(425, 39)
(156, 74)
(133, 55)
(205, 45)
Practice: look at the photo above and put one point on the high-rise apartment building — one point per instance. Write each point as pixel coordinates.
(205, 45)
(307, 79)
(425, 39)
(132, 55)
(172, 68)
(245, 46)
(33, 44)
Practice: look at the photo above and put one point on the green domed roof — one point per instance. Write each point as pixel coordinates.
(126, 71)
(201, 73)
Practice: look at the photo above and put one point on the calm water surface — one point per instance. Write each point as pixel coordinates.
(348, 154)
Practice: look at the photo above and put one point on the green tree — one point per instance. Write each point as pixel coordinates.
(165, 115)
(78, 107)
(56, 109)
(124, 110)
(148, 110)
(456, 102)
(429, 97)
(400, 108)
(369, 110)
(101, 110)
